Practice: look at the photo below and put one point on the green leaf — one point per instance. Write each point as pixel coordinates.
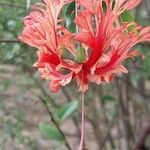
(127, 16)
(67, 10)
(50, 132)
(67, 110)
(104, 6)
(70, 25)
(80, 55)
(28, 4)
(70, 8)
(70, 16)
(107, 98)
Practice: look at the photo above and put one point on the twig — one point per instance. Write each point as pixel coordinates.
(76, 14)
(106, 137)
(146, 4)
(124, 114)
(43, 91)
(99, 105)
(145, 131)
(97, 131)
(9, 41)
(66, 94)
(55, 123)
(106, 120)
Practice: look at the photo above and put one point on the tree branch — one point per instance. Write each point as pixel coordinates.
(145, 131)
(9, 41)
(66, 94)
(55, 123)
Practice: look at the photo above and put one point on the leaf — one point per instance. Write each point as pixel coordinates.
(67, 110)
(104, 6)
(70, 25)
(107, 98)
(70, 16)
(28, 4)
(70, 8)
(80, 55)
(67, 10)
(50, 132)
(127, 17)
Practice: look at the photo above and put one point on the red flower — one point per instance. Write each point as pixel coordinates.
(104, 38)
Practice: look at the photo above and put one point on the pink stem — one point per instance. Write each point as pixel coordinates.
(82, 125)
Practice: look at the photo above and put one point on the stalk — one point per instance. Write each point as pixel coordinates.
(83, 122)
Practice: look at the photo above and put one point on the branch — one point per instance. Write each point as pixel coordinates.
(55, 123)
(53, 103)
(66, 94)
(145, 131)
(124, 114)
(9, 41)
(146, 4)
(107, 134)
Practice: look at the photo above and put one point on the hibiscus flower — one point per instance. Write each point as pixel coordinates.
(104, 40)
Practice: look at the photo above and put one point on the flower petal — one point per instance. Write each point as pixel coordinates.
(85, 38)
(84, 20)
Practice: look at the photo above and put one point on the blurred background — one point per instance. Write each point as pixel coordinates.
(33, 118)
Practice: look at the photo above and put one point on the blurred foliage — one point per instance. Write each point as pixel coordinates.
(12, 13)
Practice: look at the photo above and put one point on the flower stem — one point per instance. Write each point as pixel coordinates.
(83, 121)
(76, 14)
(83, 99)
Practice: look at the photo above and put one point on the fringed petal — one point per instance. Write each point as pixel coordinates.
(54, 86)
(85, 38)
(84, 21)
(65, 63)
(47, 58)
(91, 5)
(129, 4)
(95, 78)
(83, 87)
(66, 40)
(132, 54)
